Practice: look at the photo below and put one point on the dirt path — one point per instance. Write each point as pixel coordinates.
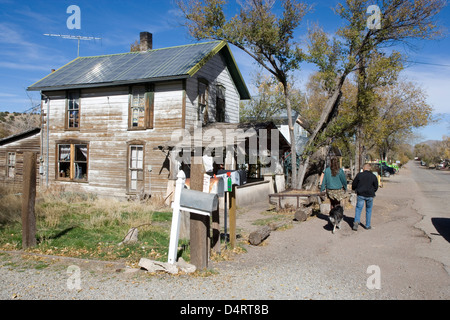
(305, 261)
(394, 244)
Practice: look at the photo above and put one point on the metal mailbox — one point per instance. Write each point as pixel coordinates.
(198, 202)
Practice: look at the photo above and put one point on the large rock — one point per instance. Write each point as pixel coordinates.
(131, 237)
(184, 266)
(325, 208)
(157, 266)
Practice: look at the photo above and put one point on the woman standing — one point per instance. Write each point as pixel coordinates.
(334, 182)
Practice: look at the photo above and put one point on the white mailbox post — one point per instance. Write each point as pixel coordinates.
(187, 200)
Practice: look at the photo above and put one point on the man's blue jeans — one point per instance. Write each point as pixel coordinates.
(359, 207)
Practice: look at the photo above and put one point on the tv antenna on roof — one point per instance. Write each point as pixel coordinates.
(65, 36)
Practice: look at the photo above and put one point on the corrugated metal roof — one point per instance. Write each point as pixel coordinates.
(20, 135)
(153, 65)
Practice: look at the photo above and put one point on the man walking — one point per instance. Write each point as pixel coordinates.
(365, 185)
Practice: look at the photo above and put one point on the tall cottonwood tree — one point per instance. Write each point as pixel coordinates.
(339, 56)
(269, 39)
(401, 107)
(259, 31)
(375, 71)
(269, 101)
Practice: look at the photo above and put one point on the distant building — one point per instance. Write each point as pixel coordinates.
(12, 149)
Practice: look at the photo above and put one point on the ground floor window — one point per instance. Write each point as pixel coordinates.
(11, 165)
(72, 162)
(135, 168)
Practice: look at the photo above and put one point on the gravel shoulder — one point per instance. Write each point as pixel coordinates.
(305, 261)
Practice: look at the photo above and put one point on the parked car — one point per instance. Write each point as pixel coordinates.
(383, 169)
(440, 166)
(393, 166)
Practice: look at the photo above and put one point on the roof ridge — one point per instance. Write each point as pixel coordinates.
(152, 50)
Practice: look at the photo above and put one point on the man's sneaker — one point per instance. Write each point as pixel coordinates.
(355, 226)
(368, 228)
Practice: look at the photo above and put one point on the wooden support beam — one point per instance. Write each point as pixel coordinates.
(233, 217)
(215, 241)
(199, 233)
(28, 200)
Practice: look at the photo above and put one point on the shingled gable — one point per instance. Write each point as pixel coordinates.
(171, 63)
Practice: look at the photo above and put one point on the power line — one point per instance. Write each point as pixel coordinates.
(429, 63)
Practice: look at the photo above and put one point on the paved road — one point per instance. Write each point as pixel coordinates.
(433, 202)
(394, 260)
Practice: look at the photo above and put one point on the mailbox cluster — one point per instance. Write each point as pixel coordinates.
(198, 202)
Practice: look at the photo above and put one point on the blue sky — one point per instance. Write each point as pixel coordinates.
(26, 55)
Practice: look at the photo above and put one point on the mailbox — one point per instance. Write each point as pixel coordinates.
(191, 201)
(198, 202)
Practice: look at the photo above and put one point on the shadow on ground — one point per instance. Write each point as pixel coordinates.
(442, 226)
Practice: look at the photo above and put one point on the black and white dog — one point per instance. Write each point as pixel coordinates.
(336, 216)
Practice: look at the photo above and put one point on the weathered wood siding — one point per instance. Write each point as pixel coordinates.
(31, 144)
(215, 72)
(104, 126)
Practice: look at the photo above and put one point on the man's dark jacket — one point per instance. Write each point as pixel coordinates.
(365, 184)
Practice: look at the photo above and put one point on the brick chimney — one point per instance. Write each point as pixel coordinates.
(146, 41)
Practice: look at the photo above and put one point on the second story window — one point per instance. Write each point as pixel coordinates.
(141, 107)
(138, 107)
(220, 103)
(203, 101)
(73, 110)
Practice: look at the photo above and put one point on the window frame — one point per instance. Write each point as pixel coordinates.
(140, 172)
(72, 162)
(203, 112)
(221, 96)
(9, 166)
(149, 97)
(67, 117)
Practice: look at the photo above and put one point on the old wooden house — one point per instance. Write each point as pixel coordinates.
(12, 150)
(104, 117)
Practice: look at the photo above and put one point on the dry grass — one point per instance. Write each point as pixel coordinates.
(75, 224)
(10, 205)
(55, 204)
(104, 212)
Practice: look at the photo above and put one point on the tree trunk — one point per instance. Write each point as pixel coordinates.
(358, 150)
(327, 115)
(291, 135)
(302, 172)
(28, 200)
(258, 236)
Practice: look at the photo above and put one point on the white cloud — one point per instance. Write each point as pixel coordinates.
(7, 95)
(22, 66)
(436, 83)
